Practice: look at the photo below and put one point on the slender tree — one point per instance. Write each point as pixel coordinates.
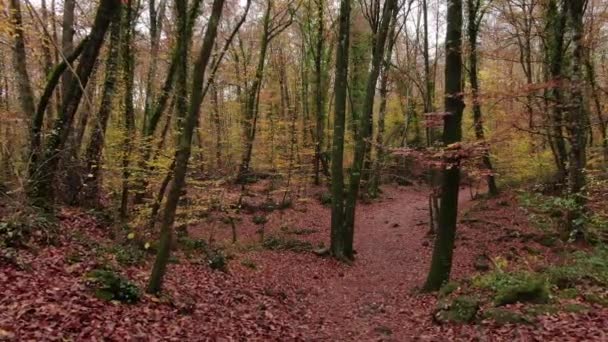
(475, 17)
(184, 143)
(338, 236)
(90, 193)
(441, 264)
(24, 85)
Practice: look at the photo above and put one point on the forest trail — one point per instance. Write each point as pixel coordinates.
(376, 297)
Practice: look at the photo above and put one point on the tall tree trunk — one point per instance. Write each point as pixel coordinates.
(24, 85)
(46, 53)
(53, 81)
(577, 122)
(374, 185)
(67, 41)
(41, 191)
(338, 236)
(154, 113)
(90, 195)
(555, 26)
(184, 148)
(474, 21)
(441, 263)
(252, 98)
(365, 127)
(128, 69)
(319, 90)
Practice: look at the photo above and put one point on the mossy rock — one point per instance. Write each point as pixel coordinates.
(531, 290)
(503, 316)
(448, 288)
(462, 309)
(541, 309)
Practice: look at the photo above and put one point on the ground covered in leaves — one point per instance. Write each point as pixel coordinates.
(269, 285)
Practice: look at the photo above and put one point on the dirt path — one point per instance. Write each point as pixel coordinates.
(375, 298)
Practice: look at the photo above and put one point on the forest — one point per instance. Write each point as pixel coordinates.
(303, 170)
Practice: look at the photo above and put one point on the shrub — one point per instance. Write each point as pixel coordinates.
(17, 229)
(109, 285)
(259, 219)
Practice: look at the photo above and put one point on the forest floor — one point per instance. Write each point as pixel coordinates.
(279, 290)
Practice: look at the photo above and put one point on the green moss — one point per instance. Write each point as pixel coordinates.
(275, 242)
(503, 316)
(595, 298)
(531, 290)
(448, 288)
(462, 309)
(541, 309)
(569, 293)
(576, 308)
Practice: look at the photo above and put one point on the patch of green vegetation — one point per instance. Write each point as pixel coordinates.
(279, 243)
(547, 240)
(298, 231)
(259, 219)
(217, 260)
(514, 287)
(503, 316)
(249, 264)
(583, 267)
(191, 245)
(541, 309)
(595, 298)
(16, 229)
(326, 198)
(448, 288)
(569, 293)
(462, 309)
(576, 308)
(128, 255)
(109, 285)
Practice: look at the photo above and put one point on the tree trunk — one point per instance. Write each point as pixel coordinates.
(252, 98)
(24, 85)
(375, 176)
(128, 70)
(90, 195)
(338, 236)
(365, 127)
(184, 148)
(319, 91)
(42, 192)
(577, 123)
(441, 263)
(474, 20)
(67, 42)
